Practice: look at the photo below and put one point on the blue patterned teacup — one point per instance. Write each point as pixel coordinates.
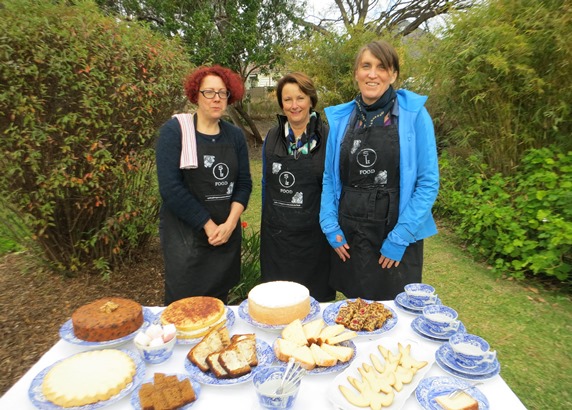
(267, 381)
(441, 319)
(156, 354)
(471, 350)
(420, 294)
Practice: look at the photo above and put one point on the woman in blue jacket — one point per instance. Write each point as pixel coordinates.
(381, 179)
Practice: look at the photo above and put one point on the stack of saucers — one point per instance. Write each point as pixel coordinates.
(468, 356)
(437, 323)
(416, 297)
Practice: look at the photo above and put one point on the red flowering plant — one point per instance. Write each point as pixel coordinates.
(250, 264)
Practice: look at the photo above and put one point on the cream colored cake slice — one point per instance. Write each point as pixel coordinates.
(88, 377)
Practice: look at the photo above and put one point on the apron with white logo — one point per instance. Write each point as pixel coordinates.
(293, 246)
(368, 211)
(194, 267)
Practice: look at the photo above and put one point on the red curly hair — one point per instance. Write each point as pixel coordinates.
(232, 81)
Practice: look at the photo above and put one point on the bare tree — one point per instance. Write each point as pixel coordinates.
(398, 16)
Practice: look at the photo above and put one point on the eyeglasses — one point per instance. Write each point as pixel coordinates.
(223, 94)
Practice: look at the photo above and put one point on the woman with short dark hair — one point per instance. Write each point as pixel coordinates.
(292, 245)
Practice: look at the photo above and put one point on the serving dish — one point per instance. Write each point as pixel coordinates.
(331, 312)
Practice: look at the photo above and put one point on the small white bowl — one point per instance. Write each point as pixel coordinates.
(156, 354)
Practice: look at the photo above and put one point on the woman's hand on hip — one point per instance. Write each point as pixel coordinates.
(342, 250)
(387, 263)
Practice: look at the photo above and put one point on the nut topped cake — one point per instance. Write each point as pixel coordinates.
(107, 319)
(195, 316)
(278, 302)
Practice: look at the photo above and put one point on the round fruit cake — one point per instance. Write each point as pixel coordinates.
(278, 302)
(107, 319)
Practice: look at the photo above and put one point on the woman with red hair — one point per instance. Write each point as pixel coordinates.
(205, 184)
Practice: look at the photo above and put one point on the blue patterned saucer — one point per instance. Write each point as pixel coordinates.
(432, 387)
(421, 327)
(244, 315)
(447, 355)
(67, 334)
(41, 402)
(136, 404)
(402, 301)
(331, 312)
(494, 368)
(265, 356)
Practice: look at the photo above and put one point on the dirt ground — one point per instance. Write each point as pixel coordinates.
(34, 305)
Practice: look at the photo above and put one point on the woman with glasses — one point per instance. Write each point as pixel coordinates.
(292, 245)
(380, 181)
(205, 184)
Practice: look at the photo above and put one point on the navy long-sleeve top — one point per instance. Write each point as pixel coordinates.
(174, 190)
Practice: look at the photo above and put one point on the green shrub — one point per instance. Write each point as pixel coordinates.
(520, 224)
(502, 79)
(81, 100)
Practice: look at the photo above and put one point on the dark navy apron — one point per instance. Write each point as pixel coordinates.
(193, 266)
(293, 246)
(368, 211)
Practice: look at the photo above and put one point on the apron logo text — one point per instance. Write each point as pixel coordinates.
(366, 158)
(287, 179)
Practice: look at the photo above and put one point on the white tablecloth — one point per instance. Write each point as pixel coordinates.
(313, 391)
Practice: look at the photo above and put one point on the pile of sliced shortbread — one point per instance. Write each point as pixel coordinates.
(379, 380)
(314, 344)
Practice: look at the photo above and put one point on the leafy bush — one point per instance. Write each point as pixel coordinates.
(502, 79)
(521, 224)
(82, 97)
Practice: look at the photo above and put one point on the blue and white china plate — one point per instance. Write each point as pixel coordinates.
(244, 315)
(331, 312)
(402, 302)
(229, 323)
(265, 356)
(67, 334)
(418, 351)
(494, 370)
(40, 401)
(338, 367)
(196, 387)
(433, 387)
(447, 356)
(420, 326)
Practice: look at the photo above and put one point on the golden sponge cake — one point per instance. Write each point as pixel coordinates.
(195, 316)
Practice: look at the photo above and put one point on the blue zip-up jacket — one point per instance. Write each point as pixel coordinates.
(419, 174)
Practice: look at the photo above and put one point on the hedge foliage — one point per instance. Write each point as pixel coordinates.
(81, 100)
(520, 223)
(502, 80)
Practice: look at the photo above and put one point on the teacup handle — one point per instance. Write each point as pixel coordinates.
(454, 325)
(490, 356)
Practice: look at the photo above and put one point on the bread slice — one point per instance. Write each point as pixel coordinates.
(462, 401)
(233, 362)
(303, 355)
(215, 366)
(236, 338)
(284, 349)
(247, 347)
(321, 357)
(313, 329)
(215, 341)
(295, 333)
(330, 331)
(342, 353)
(342, 337)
